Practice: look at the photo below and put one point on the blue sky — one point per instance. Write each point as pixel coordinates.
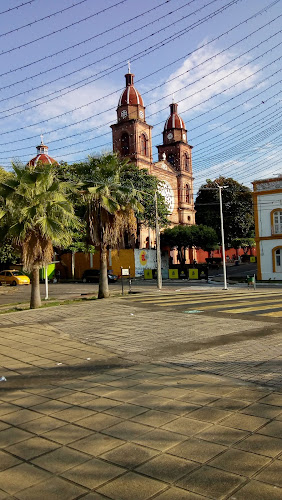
(62, 76)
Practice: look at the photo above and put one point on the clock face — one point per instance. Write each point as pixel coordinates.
(123, 113)
(166, 190)
(141, 114)
(184, 137)
(169, 135)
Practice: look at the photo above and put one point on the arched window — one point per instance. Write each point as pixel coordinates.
(125, 144)
(170, 159)
(186, 162)
(277, 222)
(143, 145)
(187, 193)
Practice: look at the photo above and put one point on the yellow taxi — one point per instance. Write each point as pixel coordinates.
(13, 277)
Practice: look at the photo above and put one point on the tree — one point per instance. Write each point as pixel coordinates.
(237, 208)
(111, 210)
(244, 243)
(144, 184)
(36, 213)
(182, 237)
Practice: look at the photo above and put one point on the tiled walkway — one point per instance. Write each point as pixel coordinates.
(97, 406)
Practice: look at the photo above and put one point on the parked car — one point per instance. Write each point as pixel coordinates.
(13, 277)
(92, 275)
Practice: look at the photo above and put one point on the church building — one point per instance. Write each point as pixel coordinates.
(132, 139)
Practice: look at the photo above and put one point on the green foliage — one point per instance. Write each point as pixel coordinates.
(146, 185)
(244, 243)
(182, 237)
(8, 254)
(190, 236)
(112, 202)
(143, 183)
(35, 204)
(237, 208)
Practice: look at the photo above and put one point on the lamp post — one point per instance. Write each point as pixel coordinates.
(220, 188)
(158, 247)
(222, 235)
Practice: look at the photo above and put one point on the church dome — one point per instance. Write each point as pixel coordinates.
(42, 156)
(130, 95)
(174, 120)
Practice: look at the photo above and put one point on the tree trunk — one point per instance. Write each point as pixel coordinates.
(103, 279)
(35, 299)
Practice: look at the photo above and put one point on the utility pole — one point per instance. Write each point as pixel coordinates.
(158, 247)
(222, 235)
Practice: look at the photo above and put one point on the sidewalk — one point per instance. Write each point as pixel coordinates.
(94, 409)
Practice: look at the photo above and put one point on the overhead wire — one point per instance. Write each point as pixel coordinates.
(23, 4)
(101, 74)
(208, 111)
(34, 40)
(226, 32)
(28, 25)
(169, 80)
(187, 97)
(71, 47)
(64, 63)
(197, 117)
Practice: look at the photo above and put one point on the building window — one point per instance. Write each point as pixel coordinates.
(278, 260)
(186, 162)
(277, 222)
(187, 193)
(125, 144)
(170, 159)
(143, 144)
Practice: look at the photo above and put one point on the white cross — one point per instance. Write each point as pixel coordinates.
(128, 63)
(41, 138)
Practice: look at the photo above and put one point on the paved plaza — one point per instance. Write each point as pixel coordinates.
(149, 396)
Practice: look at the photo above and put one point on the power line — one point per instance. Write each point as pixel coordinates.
(61, 29)
(110, 70)
(167, 81)
(216, 38)
(83, 41)
(88, 64)
(216, 95)
(259, 83)
(17, 7)
(43, 18)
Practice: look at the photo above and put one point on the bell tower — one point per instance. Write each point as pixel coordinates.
(132, 136)
(179, 154)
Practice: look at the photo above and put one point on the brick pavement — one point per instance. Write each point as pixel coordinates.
(101, 403)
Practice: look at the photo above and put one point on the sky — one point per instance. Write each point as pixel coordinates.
(62, 66)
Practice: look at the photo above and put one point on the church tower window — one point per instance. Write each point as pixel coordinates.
(125, 144)
(186, 162)
(187, 193)
(143, 144)
(171, 160)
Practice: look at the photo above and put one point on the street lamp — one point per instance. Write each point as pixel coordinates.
(158, 247)
(220, 188)
(158, 240)
(222, 234)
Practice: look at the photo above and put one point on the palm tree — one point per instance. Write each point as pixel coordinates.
(36, 213)
(111, 210)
